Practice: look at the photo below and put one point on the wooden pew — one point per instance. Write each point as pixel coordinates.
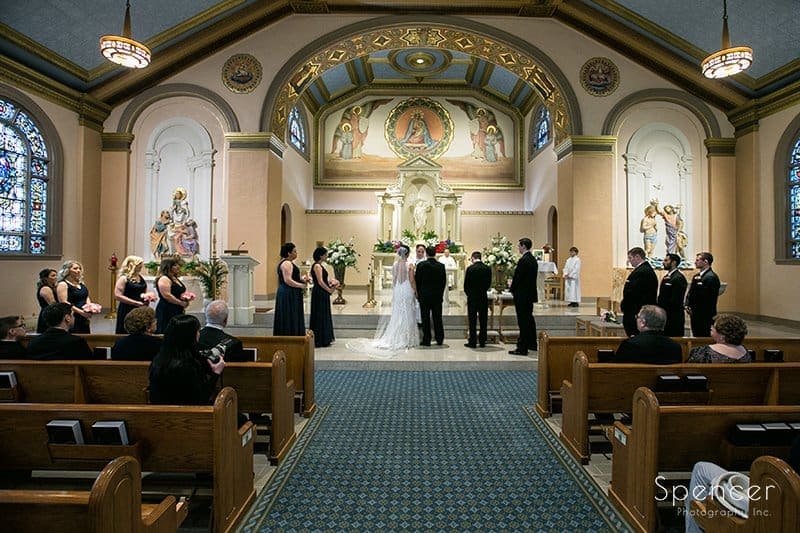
(778, 513)
(609, 388)
(114, 504)
(260, 387)
(556, 353)
(673, 438)
(164, 438)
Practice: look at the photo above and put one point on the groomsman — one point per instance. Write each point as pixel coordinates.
(640, 289)
(671, 294)
(523, 287)
(477, 280)
(701, 302)
(431, 281)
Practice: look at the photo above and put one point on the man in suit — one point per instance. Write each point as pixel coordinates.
(640, 289)
(701, 302)
(57, 343)
(213, 333)
(650, 346)
(12, 331)
(431, 279)
(523, 288)
(671, 296)
(477, 280)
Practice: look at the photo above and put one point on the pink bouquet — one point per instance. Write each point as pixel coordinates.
(188, 296)
(148, 297)
(92, 308)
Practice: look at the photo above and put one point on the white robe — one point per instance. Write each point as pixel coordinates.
(572, 287)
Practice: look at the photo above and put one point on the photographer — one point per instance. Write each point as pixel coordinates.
(182, 373)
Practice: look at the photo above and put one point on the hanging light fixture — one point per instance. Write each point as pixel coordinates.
(729, 60)
(122, 49)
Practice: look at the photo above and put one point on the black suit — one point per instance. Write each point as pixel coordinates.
(12, 350)
(431, 279)
(57, 344)
(210, 337)
(670, 299)
(477, 280)
(702, 302)
(640, 289)
(649, 347)
(136, 347)
(523, 287)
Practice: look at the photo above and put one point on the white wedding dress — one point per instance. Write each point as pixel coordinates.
(397, 331)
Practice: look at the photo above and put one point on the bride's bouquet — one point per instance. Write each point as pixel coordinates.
(342, 254)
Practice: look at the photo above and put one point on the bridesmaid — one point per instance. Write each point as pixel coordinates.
(70, 289)
(289, 319)
(129, 289)
(320, 320)
(170, 289)
(45, 294)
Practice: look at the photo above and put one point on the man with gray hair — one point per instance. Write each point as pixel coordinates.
(650, 346)
(213, 334)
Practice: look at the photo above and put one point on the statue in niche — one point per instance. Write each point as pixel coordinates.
(159, 240)
(673, 224)
(175, 232)
(421, 208)
(649, 230)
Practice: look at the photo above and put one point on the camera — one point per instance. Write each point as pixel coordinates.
(216, 352)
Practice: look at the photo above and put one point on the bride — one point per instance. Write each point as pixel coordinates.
(399, 330)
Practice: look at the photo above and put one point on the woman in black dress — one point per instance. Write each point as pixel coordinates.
(129, 289)
(45, 294)
(70, 289)
(320, 320)
(289, 318)
(180, 374)
(169, 288)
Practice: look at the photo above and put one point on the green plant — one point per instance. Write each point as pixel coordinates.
(152, 267)
(212, 275)
(408, 238)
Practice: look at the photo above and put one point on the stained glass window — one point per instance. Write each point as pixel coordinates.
(793, 195)
(540, 130)
(297, 131)
(24, 181)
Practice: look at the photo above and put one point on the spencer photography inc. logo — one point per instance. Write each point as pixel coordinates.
(732, 490)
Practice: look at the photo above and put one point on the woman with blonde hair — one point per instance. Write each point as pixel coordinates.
(130, 289)
(70, 289)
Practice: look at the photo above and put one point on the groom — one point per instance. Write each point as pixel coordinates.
(431, 281)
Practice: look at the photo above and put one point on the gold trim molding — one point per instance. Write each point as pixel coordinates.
(341, 212)
(255, 141)
(723, 146)
(479, 213)
(117, 142)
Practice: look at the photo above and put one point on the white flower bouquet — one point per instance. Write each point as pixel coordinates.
(342, 254)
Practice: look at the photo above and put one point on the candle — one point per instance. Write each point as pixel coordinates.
(113, 259)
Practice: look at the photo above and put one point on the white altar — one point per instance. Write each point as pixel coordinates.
(545, 268)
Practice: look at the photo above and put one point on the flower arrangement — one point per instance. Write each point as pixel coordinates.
(387, 247)
(92, 308)
(188, 296)
(548, 248)
(608, 316)
(148, 297)
(342, 254)
(212, 275)
(500, 254)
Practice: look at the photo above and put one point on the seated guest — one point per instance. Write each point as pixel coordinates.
(141, 344)
(213, 334)
(728, 332)
(182, 373)
(57, 342)
(650, 346)
(12, 330)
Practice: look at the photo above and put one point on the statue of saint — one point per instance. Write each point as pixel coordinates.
(421, 208)
(673, 223)
(649, 230)
(159, 241)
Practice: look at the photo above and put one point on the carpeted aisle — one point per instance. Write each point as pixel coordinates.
(444, 450)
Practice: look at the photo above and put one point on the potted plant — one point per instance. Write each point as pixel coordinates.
(340, 256)
(212, 275)
(500, 256)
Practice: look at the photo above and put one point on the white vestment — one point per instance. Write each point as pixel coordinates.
(572, 285)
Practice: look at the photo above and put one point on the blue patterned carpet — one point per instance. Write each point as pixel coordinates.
(444, 451)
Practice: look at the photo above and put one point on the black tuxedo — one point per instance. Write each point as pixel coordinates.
(12, 350)
(431, 279)
(670, 298)
(136, 347)
(702, 302)
(477, 280)
(523, 287)
(210, 337)
(649, 347)
(57, 344)
(640, 289)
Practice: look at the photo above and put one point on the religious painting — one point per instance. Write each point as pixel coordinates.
(599, 76)
(363, 144)
(241, 73)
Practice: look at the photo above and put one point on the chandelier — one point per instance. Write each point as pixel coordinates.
(122, 49)
(729, 60)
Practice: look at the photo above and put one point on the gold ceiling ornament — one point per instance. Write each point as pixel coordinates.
(241, 73)
(729, 60)
(123, 50)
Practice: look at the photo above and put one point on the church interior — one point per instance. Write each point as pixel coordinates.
(251, 123)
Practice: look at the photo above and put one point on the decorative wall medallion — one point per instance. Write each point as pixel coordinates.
(599, 76)
(241, 73)
(419, 126)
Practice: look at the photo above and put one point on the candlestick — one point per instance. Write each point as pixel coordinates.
(214, 237)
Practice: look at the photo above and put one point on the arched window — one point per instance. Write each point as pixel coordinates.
(540, 133)
(793, 194)
(297, 131)
(26, 194)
